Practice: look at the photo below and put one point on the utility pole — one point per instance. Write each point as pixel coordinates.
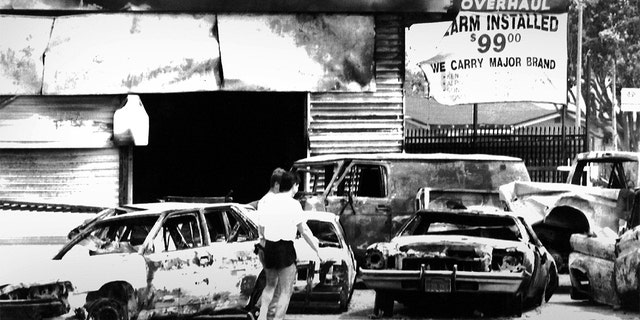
(614, 121)
(579, 68)
(587, 103)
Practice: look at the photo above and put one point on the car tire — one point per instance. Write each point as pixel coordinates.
(553, 284)
(345, 297)
(541, 299)
(513, 305)
(638, 277)
(107, 309)
(574, 294)
(383, 304)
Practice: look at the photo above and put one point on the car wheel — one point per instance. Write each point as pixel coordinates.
(345, 297)
(383, 304)
(516, 305)
(574, 294)
(541, 299)
(107, 309)
(513, 304)
(638, 277)
(552, 286)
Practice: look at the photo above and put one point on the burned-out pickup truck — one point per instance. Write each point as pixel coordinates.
(596, 199)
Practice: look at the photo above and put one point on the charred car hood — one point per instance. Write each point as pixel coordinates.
(534, 200)
(440, 244)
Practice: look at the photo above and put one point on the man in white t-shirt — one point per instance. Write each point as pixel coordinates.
(280, 218)
(274, 188)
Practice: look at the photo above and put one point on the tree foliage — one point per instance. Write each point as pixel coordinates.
(610, 38)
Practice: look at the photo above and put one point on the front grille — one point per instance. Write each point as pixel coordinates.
(443, 264)
(58, 290)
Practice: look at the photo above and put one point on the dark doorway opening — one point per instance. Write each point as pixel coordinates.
(215, 143)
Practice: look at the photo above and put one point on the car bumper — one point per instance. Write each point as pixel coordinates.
(432, 281)
(29, 309)
(320, 295)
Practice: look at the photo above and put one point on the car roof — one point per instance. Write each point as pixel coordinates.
(407, 156)
(158, 208)
(321, 215)
(489, 211)
(165, 206)
(625, 155)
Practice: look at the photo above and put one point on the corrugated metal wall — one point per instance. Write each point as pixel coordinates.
(367, 121)
(75, 176)
(59, 149)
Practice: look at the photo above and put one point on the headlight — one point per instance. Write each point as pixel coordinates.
(507, 260)
(374, 259)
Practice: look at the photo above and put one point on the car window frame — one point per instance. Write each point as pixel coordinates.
(347, 166)
(170, 215)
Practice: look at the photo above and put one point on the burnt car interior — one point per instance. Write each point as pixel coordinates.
(181, 232)
(363, 180)
(485, 226)
(462, 199)
(325, 232)
(118, 236)
(224, 226)
(314, 179)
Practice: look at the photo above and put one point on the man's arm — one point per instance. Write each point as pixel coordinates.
(309, 237)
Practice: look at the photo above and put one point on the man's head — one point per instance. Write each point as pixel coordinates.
(289, 182)
(276, 175)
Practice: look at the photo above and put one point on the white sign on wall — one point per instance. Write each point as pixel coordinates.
(487, 57)
(630, 100)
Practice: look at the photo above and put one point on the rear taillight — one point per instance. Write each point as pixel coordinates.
(332, 273)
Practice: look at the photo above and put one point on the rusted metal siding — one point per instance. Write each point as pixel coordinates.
(74, 176)
(368, 121)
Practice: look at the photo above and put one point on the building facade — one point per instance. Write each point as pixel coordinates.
(105, 103)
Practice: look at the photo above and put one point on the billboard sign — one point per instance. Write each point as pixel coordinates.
(630, 100)
(501, 51)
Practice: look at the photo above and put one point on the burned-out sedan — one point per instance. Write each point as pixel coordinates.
(460, 255)
(333, 284)
(148, 263)
(328, 285)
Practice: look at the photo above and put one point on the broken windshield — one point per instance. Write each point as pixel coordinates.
(118, 236)
(477, 225)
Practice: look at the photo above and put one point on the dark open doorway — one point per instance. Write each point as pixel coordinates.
(210, 144)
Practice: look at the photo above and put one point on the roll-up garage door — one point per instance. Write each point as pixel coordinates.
(59, 149)
(70, 176)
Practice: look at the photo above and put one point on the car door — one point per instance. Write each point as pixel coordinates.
(360, 196)
(234, 265)
(351, 260)
(180, 268)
